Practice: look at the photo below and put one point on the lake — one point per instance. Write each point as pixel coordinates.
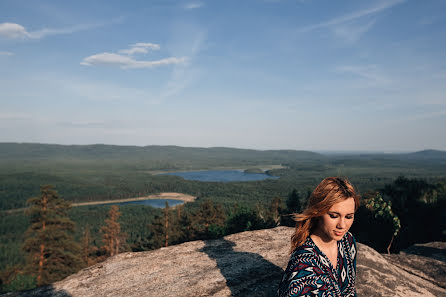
(222, 175)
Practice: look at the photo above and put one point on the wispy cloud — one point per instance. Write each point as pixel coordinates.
(370, 73)
(352, 34)
(193, 5)
(352, 26)
(127, 62)
(17, 31)
(353, 16)
(140, 48)
(13, 116)
(83, 124)
(6, 54)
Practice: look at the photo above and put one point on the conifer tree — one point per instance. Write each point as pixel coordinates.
(166, 224)
(113, 238)
(51, 250)
(87, 248)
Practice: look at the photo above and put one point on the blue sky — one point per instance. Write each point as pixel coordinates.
(312, 75)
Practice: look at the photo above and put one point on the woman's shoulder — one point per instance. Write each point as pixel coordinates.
(305, 255)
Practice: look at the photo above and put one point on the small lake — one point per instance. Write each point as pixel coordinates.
(157, 203)
(222, 176)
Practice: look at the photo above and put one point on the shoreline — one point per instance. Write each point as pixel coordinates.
(166, 195)
(262, 167)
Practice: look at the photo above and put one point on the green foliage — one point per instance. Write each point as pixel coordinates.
(51, 250)
(383, 209)
(18, 282)
(243, 219)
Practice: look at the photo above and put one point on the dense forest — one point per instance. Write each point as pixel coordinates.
(404, 195)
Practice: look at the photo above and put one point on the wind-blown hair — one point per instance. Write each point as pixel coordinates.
(329, 192)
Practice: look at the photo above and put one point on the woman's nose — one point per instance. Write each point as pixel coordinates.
(341, 223)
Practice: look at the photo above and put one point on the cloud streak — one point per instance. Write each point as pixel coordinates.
(193, 5)
(353, 16)
(6, 54)
(17, 31)
(127, 61)
(140, 48)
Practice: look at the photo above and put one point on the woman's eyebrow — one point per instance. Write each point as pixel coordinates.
(335, 212)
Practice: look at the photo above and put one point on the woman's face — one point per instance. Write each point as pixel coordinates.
(337, 221)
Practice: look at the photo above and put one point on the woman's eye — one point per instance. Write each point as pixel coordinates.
(349, 217)
(333, 216)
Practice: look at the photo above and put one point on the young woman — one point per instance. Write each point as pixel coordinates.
(323, 258)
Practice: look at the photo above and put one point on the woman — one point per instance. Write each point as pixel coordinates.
(323, 258)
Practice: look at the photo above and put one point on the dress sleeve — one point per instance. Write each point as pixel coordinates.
(303, 278)
(353, 250)
(353, 254)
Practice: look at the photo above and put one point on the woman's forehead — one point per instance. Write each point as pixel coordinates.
(344, 206)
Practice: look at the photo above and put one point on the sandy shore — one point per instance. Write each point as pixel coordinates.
(166, 195)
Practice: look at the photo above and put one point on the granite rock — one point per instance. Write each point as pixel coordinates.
(245, 264)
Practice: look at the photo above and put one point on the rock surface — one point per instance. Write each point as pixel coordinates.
(243, 264)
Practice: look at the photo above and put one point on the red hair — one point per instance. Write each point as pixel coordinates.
(329, 192)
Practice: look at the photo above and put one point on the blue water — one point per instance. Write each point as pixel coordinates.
(222, 175)
(158, 203)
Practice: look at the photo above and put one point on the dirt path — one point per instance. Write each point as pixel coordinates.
(166, 195)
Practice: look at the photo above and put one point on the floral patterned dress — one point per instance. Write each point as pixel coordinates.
(310, 272)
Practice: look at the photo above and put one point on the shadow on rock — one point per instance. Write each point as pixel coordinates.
(46, 291)
(434, 252)
(246, 274)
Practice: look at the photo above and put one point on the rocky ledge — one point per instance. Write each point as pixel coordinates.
(244, 264)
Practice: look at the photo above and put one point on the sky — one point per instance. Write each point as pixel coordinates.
(260, 74)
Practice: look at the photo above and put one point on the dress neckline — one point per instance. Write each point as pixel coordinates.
(327, 262)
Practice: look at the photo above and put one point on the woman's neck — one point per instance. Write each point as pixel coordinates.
(322, 241)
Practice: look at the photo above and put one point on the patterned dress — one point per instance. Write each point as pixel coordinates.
(310, 272)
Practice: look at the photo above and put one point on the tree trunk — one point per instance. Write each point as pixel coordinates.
(390, 244)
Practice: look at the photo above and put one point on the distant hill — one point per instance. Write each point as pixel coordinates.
(427, 154)
(211, 156)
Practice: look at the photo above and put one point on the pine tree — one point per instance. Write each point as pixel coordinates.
(87, 248)
(113, 238)
(166, 224)
(51, 250)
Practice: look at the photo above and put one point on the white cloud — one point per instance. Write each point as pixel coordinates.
(6, 54)
(11, 30)
(194, 5)
(127, 62)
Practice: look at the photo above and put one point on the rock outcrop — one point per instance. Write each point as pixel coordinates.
(243, 264)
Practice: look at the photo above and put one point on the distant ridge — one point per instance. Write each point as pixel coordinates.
(428, 154)
(38, 151)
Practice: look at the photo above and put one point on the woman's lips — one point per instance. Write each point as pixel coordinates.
(337, 233)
